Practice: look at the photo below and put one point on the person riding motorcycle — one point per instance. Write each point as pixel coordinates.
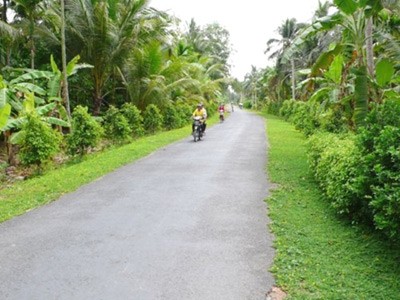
(200, 111)
(221, 110)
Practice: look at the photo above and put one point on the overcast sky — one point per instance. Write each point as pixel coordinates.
(251, 23)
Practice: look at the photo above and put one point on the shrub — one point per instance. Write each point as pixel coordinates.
(85, 134)
(333, 120)
(286, 110)
(378, 142)
(39, 142)
(134, 118)
(273, 107)
(247, 104)
(116, 126)
(335, 161)
(184, 111)
(153, 119)
(171, 117)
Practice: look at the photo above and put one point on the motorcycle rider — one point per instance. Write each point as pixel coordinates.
(221, 110)
(200, 111)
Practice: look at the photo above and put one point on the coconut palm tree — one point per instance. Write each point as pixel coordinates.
(104, 33)
(288, 32)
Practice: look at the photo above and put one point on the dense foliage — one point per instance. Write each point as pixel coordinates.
(138, 71)
(39, 143)
(85, 132)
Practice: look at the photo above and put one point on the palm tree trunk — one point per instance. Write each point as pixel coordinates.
(293, 80)
(4, 14)
(369, 47)
(65, 94)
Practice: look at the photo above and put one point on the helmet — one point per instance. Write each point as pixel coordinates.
(200, 105)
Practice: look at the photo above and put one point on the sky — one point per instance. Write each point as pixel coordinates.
(250, 23)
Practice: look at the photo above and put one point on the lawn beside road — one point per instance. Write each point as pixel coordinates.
(318, 255)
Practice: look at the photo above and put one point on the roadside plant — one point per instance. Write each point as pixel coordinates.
(39, 142)
(86, 132)
(153, 120)
(171, 117)
(116, 126)
(134, 118)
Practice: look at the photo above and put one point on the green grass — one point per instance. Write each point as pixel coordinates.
(26, 195)
(319, 256)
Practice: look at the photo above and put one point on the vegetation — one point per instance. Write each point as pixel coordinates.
(138, 72)
(86, 132)
(335, 79)
(328, 258)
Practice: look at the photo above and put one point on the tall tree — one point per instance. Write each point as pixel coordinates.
(288, 31)
(104, 32)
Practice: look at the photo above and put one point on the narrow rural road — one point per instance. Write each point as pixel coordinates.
(187, 222)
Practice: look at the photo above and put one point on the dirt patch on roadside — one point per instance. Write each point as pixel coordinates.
(276, 294)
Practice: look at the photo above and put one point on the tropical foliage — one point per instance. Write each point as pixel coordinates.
(138, 72)
(344, 93)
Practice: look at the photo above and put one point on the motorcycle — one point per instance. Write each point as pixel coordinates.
(197, 129)
(221, 115)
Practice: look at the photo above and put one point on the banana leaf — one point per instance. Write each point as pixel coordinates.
(27, 87)
(347, 6)
(3, 97)
(384, 72)
(56, 121)
(32, 75)
(5, 112)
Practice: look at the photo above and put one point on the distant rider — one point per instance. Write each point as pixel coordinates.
(221, 110)
(200, 111)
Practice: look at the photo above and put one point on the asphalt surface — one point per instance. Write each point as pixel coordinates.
(187, 222)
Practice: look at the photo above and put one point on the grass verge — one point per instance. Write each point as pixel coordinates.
(26, 195)
(319, 256)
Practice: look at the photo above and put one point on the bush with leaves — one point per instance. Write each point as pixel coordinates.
(287, 109)
(247, 104)
(304, 117)
(171, 117)
(272, 107)
(134, 118)
(152, 119)
(85, 134)
(116, 126)
(39, 142)
(184, 112)
(380, 149)
(333, 120)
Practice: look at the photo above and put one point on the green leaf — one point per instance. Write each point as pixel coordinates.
(335, 70)
(384, 72)
(14, 123)
(5, 112)
(54, 86)
(42, 110)
(56, 121)
(325, 60)
(322, 92)
(31, 75)
(54, 66)
(29, 103)
(3, 97)
(347, 6)
(71, 65)
(17, 137)
(372, 7)
(27, 87)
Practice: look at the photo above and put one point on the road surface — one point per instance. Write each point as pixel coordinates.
(187, 222)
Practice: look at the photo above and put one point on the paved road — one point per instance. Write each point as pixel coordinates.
(187, 222)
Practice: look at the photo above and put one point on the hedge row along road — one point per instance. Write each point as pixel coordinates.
(187, 222)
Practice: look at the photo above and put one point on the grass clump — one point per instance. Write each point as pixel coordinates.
(318, 255)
